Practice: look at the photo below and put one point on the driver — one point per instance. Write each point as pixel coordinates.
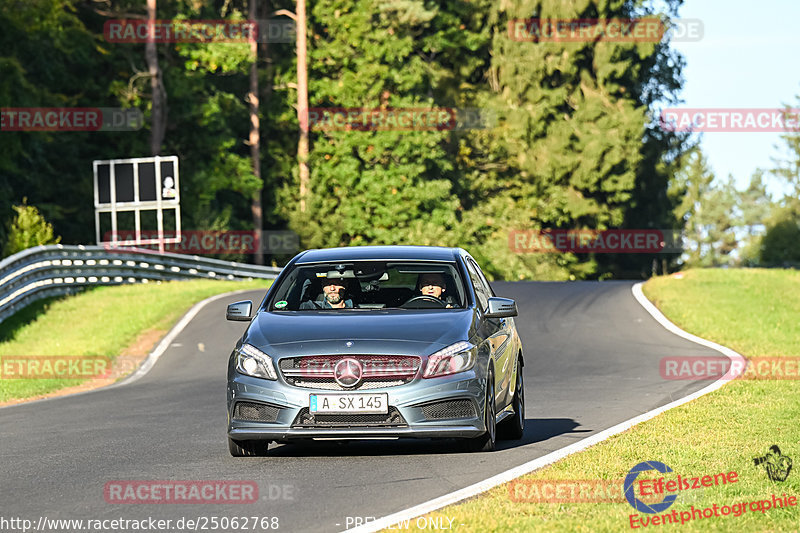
(433, 284)
(334, 292)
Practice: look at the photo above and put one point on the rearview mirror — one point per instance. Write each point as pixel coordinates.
(340, 274)
(239, 311)
(501, 307)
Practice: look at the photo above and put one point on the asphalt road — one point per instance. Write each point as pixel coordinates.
(592, 361)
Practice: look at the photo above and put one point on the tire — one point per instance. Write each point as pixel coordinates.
(248, 448)
(513, 428)
(487, 441)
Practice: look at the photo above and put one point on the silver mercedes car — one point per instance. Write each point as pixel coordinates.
(376, 342)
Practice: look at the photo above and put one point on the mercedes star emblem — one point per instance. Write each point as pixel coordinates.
(347, 373)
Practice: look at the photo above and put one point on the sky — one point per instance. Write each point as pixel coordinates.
(749, 57)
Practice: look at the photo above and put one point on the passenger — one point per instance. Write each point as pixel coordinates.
(334, 292)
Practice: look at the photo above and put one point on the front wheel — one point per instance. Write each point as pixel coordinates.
(248, 448)
(513, 428)
(486, 442)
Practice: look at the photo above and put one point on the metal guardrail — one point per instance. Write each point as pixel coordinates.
(45, 271)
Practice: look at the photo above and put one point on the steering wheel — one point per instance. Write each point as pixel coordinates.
(427, 299)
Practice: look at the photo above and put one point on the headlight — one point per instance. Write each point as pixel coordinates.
(253, 362)
(451, 360)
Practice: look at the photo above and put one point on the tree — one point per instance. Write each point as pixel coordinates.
(662, 151)
(255, 133)
(211, 123)
(577, 145)
(380, 187)
(158, 115)
(755, 206)
(50, 56)
(719, 220)
(691, 185)
(712, 221)
(302, 103)
(28, 229)
(788, 168)
(781, 243)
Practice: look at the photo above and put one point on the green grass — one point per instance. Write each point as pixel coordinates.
(99, 322)
(756, 312)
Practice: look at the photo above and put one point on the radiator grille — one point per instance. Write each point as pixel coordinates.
(317, 371)
(330, 384)
(348, 420)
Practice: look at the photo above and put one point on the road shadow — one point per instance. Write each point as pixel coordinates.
(367, 448)
(536, 430)
(542, 429)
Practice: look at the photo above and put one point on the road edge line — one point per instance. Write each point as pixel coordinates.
(545, 460)
(176, 330)
(152, 357)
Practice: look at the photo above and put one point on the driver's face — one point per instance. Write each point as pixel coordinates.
(431, 285)
(334, 291)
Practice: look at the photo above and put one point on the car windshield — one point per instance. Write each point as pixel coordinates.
(370, 285)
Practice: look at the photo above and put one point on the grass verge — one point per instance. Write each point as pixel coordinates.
(103, 321)
(755, 312)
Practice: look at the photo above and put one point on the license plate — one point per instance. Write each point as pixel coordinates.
(349, 403)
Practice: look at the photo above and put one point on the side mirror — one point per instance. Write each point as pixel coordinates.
(501, 307)
(239, 311)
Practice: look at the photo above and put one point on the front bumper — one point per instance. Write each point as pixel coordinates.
(289, 404)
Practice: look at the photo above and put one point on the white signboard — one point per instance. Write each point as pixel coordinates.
(143, 186)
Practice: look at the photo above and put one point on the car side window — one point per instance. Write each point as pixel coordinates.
(484, 281)
(480, 290)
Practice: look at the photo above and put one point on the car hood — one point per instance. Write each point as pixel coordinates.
(396, 332)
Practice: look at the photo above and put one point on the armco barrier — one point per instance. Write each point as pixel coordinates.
(53, 270)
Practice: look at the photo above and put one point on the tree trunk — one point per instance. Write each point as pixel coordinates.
(255, 140)
(302, 103)
(159, 114)
(266, 58)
